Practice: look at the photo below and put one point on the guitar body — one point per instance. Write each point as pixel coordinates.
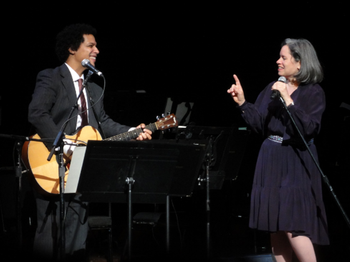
(46, 173)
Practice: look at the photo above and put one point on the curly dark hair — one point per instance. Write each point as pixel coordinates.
(71, 37)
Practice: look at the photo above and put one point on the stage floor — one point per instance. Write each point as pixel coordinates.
(230, 238)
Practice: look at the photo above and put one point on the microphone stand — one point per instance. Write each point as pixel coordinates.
(325, 178)
(18, 174)
(58, 147)
(58, 144)
(210, 158)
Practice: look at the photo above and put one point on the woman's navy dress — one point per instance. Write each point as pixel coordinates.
(287, 187)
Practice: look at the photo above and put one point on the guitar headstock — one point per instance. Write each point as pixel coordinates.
(166, 122)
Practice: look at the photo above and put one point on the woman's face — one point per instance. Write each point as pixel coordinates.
(287, 66)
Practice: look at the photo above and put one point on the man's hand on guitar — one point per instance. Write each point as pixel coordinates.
(145, 134)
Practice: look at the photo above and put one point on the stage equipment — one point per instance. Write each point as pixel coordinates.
(139, 172)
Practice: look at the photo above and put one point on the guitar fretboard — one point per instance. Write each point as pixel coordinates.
(131, 134)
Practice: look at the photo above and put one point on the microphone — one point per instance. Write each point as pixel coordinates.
(86, 63)
(276, 93)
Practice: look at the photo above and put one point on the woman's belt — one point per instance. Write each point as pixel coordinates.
(279, 139)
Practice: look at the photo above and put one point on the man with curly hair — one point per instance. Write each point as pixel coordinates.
(55, 94)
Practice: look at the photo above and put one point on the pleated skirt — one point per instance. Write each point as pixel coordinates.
(287, 193)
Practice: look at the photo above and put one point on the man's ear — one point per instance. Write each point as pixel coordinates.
(71, 51)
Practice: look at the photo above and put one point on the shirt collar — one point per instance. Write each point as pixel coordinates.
(74, 74)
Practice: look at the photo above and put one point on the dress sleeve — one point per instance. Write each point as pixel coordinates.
(267, 116)
(255, 114)
(307, 112)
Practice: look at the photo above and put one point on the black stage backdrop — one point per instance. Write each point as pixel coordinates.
(188, 52)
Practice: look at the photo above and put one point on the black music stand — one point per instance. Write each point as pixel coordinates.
(225, 148)
(224, 153)
(139, 171)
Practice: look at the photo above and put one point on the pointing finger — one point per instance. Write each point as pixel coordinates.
(236, 79)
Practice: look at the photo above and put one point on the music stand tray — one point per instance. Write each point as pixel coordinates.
(158, 168)
(139, 171)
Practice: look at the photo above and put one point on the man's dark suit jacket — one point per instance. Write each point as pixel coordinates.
(53, 98)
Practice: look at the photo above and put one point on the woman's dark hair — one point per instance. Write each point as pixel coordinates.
(303, 51)
(71, 37)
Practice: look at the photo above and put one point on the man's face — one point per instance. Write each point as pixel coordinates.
(87, 50)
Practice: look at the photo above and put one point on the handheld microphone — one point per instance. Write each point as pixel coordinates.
(276, 93)
(86, 63)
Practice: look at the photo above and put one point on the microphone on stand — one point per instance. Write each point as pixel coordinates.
(276, 93)
(86, 63)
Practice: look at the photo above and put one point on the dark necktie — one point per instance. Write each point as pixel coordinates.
(83, 114)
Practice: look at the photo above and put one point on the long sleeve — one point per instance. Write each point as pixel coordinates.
(53, 99)
(49, 106)
(269, 117)
(307, 112)
(108, 125)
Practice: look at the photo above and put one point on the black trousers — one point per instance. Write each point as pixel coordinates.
(47, 240)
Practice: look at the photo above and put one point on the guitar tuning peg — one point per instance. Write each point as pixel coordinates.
(168, 113)
(157, 117)
(163, 115)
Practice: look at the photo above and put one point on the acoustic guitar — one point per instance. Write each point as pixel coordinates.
(46, 173)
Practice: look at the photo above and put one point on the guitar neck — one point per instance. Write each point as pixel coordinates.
(131, 134)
